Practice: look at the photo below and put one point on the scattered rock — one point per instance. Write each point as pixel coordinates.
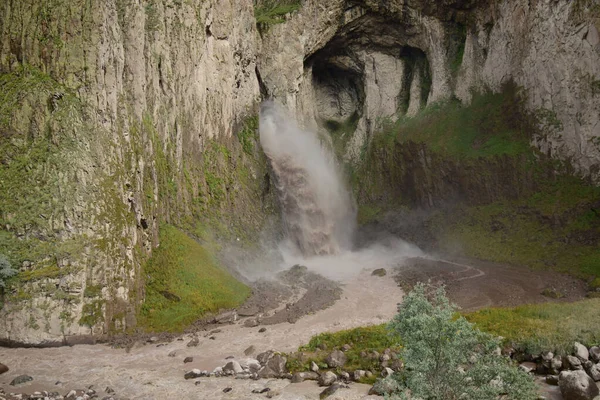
(195, 373)
(327, 378)
(387, 372)
(265, 356)
(304, 376)
(595, 353)
(344, 376)
(261, 330)
(250, 350)
(556, 365)
(173, 353)
(227, 390)
(580, 351)
(197, 383)
(3, 369)
(336, 359)
(572, 363)
(329, 391)
(188, 360)
(346, 347)
(194, 342)
(314, 367)
(358, 374)
(379, 272)
(274, 367)
(577, 385)
(527, 366)
(261, 391)
(233, 366)
(251, 322)
(594, 372)
(19, 380)
(552, 380)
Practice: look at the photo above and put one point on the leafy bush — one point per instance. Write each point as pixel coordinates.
(6, 271)
(271, 12)
(446, 358)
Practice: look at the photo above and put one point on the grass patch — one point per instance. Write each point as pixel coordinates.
(480, 130)
(341, 131)
(548, 326)
(271, 12)
(362, 340)
(248, 135)
(184, 282)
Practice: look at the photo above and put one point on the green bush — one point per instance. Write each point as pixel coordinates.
(6, 271)
(271, 12)
(446, 358)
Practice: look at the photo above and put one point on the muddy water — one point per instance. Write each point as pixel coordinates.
(147, 372)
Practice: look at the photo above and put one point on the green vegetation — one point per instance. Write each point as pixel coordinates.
(341, 131)
(447, 358)
(492, 125)
(548, 326)
(6, 272)
(271, 12)
(248, 135)
(362, 340)
(184, 283)
(459, 40)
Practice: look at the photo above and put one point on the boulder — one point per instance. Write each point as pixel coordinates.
(358, 374)
(265, 356)
(344, 376)
(188, 360)
(552, 380)
(577, 385)
(556, 365)
(336, 359)
(19, 380)
(580, 351)
(327, 378)
(527, 366)
(252, 364)
(329, 391)
(383, 387)
(193, 374)
(594, 372)
(304, 376)
(250, 350)
(379, 272)
(3, 368)
(572, 363)
(387, 372)
(314, 367)
(595, 354)
(233, 366)
(274, 367)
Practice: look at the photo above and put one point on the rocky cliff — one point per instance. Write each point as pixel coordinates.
(116, 116)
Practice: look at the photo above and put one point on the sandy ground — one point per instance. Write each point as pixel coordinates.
(147, 372)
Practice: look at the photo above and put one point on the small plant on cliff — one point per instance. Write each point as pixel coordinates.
(272, 12)
(446, 358)
(6, 272)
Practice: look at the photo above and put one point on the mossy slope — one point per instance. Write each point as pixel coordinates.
(185, 282)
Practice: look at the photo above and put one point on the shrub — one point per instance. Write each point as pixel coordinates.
(446, 358)
(6, 271)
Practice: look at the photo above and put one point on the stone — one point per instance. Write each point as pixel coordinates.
(358, 374)
(344, 376)
(250, 350)
(274, 367)
(327, 378)
(329, 391)
(188, 360)
(273, 393)
(383, 387)
(527, 366)
(556, 365)
(577, 385)
(197, 383)
(109, 390)
(21, 379)
(261, 391)
(594, 372)
(3, 368)
(252, 364)
(233, 366)
(261, 330)
(194, 342)
(547, 356)
(153, 339)
(314, 367)
(251, 323)
(218, 371)
(595, 354)
(227, 390)
(580, 351)
(304, 376)
(572, 363)
(379, 272)
(386, 372)
(195, 373)
(336, 359)
(552, 380)
(265, 356)
(173, 353)
(593, 37)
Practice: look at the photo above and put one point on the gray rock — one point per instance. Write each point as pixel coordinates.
(173, 353)
(251, 323)
(383, 387)
(274, 367)
(572, 363)
(379, 272)
(336, 359)
(556, 365)
(3, 368)
(577, 385)
(252, 364)
(314, 367)
(233, 366)
(265, 356)
(261, 330)
(193, 374)
(344, 376)
(547, 356)
(329, 391)
(358, 374)
(581, 352)
(552, 380)
(304, 376)
(594, 372)
(527, 367)
(327, 378)
(595, 354)
(194, 342)
(387, 372)
(188, 360)
(250, 350)
(19, 380)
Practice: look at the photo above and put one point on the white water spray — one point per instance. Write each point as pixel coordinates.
(318, 211)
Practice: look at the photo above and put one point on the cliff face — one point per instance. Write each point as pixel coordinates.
(119, 115)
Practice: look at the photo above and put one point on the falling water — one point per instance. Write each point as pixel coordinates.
(318, 211)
